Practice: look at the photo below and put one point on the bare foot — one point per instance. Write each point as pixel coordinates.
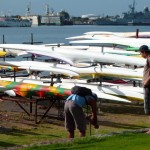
(1, 100)
(148, 132)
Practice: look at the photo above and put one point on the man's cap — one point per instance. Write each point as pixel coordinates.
(144, 48)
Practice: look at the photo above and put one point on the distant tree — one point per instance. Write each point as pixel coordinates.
(65, 18)
(64, 15)
(76, 18)
(146, 9)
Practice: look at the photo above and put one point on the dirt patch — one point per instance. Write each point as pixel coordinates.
(121, 116)
(115, 116)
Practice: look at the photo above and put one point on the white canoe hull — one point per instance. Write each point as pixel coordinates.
(73, 56)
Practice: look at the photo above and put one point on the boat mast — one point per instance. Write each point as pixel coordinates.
(47, 9)
(28, 8)
(132, 7)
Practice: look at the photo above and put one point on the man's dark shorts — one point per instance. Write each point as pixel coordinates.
(147, 100)
(74, 116)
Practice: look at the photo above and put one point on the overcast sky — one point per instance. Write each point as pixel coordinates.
(73, 7)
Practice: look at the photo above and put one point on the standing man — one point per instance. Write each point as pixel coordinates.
(145, 53)
(74, 115)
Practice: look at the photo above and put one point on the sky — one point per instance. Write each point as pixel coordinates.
(75, 8)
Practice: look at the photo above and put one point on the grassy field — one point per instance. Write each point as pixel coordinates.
(18, 129)
(128, 141)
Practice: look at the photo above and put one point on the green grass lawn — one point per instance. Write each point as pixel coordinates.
(128, 141)
(36, 133)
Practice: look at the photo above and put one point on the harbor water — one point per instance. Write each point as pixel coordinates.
(57, 34)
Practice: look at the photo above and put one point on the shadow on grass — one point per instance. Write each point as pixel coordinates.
(6, 144)
(120, 125)
(15, 132)
(52, 135)
(135, 109)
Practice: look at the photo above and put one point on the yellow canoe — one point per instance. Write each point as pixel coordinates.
(2, 54)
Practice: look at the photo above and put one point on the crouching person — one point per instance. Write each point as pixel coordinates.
(75, 116)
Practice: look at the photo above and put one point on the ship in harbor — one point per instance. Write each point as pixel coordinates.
(129, 18)
(10, 21)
